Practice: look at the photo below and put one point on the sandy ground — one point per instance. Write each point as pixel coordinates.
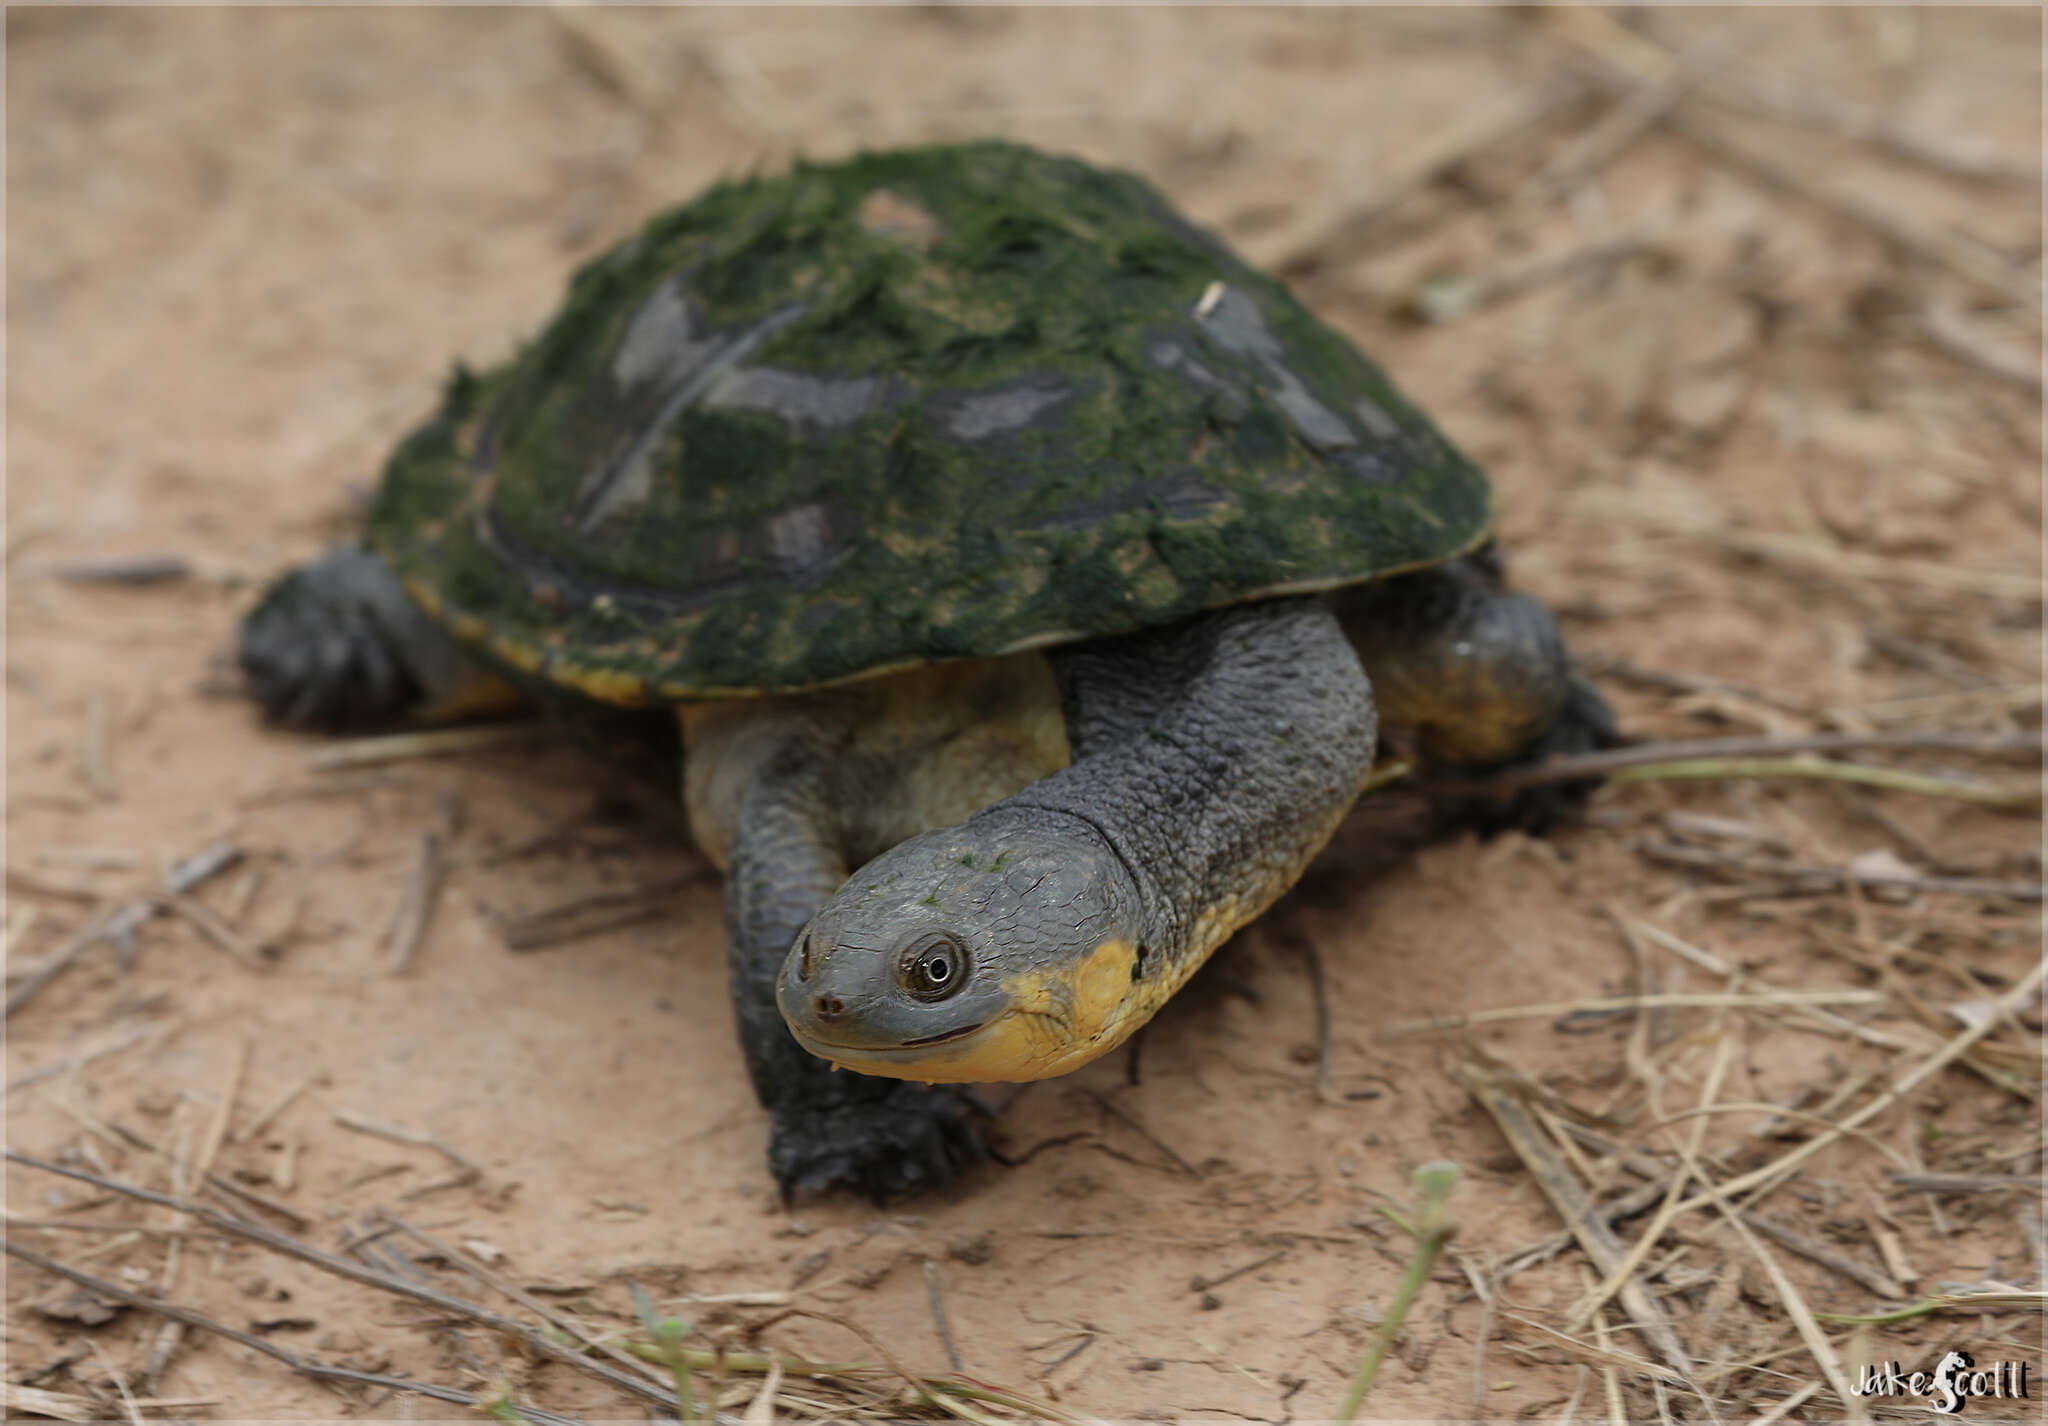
(1766, 432)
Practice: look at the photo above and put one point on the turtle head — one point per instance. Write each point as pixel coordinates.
(1007, 948)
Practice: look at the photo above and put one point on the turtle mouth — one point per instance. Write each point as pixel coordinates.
(941, 1039)
(918, 1044)
(1009, 1047)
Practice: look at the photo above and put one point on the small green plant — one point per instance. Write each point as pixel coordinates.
(1432, 1228)
(496, 1403)
(668, 1334)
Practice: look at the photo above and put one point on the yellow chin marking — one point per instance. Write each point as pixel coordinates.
(1061, 1019)
(1056, 1021)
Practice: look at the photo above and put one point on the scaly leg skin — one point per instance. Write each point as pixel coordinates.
(828, 1128)
(1481, 678)
(336, 646)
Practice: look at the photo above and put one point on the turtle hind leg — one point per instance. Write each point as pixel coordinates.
(337, 646)
(1584, 724)
(1480, 679)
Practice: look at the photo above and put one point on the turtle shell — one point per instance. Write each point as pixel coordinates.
(918, 405)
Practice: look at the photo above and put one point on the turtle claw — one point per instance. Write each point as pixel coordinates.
(910, 1139)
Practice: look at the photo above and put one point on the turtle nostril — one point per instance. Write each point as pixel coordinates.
(829, 1007)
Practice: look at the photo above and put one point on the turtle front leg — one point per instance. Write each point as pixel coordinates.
(1212, 760)
(827, 1128)
(1480, 678)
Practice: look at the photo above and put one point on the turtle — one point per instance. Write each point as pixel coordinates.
(1033, 582)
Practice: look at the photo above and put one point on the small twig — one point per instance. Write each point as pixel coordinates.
(1443, 299)
(416, 902)
(1967, 1182)
(1574, 1205)
(1876, 1222)
(220, 1183)
(1827, 878)
(277, 1107)
(1816, 1341)
(20, 921)
(184, 877)
(588, 915)
(619, 70)
(62, 1406)
(113, 1044)
(1087, 1341)
(947, 1393)
(1689, 1000)
(1806, 553)
(1203, 1284)
(1805, 105)
(1668, 681)
(1631, 1262)
(64, 1225)
(402, 747)
(1967, 1303)
(2009, 799)
(338, 785)
(389, 1257)
(305, 1366)
(1615, 760)
(99, 929)
(468, 1263)
(1571, 1407)
(1778, 1169)
(202, 866)
(1780, 1114)
(185, 1178)
(1611, 1212)
(91, 858)
(938, 1306)
(1111, 1107)
(362, 1124)
(211, 928)
(24, 881)
(1482, 1336)
(120, 1380)
(341, 1267)
(1714, 965)
(1603, 1355)
(1955, 334)
(201, 1167)
(1636, 113)
(1871, 1281)
(1790, 1404)
(1640, 58)
(137, 570)
(1318, 984)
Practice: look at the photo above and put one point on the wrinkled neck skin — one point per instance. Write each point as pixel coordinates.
(1213, 759)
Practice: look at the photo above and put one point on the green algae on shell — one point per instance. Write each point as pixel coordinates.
(917, 405)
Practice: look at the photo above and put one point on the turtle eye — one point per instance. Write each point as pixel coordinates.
(806, 955)
(933, 967)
